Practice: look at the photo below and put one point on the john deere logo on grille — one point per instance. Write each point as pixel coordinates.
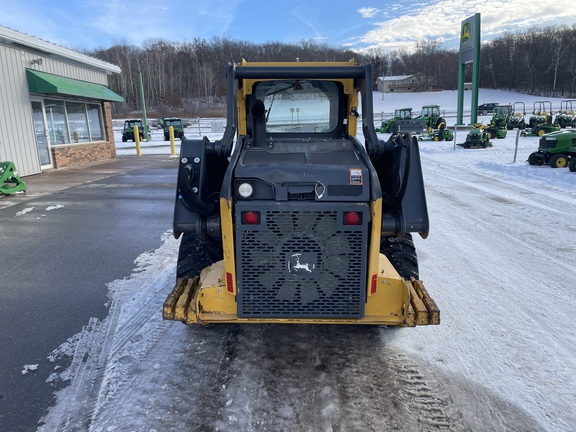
(302, 264)
(466, 33)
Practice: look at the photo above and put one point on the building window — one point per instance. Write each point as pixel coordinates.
(77, 122)
(56, 117)
(95, 122)
(73, 122)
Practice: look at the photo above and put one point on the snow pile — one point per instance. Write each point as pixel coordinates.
(54, 207)
(28, 368)
(24, 211)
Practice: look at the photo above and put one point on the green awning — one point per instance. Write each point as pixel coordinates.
(41, 82)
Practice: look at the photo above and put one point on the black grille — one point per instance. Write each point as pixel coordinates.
(301, 262)
(548, 143)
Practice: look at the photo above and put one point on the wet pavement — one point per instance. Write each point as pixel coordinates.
(74, 231)
(57, 180)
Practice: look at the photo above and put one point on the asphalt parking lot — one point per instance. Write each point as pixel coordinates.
(74, 231)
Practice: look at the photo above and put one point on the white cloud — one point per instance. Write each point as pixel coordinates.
(367, 12)
(440, 20)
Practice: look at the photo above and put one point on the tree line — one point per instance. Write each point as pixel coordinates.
(189, 77)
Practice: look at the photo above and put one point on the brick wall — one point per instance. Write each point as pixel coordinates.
(108, 127)
(78, 154)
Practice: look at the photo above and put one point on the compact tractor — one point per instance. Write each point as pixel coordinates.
(401, 122)
(565, 116)
(497, 128)
(556, 149)
(294, 220)
(540, 122)
(516, 117)
(430, 119)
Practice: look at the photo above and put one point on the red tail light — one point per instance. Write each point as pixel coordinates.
(250, 218)
(352, 218)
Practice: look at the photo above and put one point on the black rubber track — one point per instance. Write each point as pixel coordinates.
(196, 253)
(402, 255)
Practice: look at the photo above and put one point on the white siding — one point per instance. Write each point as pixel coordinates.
(17, 138)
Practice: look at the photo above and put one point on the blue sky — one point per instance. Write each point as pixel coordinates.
(357, 24)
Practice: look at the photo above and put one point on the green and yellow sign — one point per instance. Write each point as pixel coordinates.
(469, 55)
(466, 35)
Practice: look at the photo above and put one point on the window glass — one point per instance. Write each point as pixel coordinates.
(73, 122)
(129, 125)
(172, 122)
(77, 122)
(94, 118)
(299, 106)
(56, 118)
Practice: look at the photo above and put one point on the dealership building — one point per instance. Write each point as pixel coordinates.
(54, 105)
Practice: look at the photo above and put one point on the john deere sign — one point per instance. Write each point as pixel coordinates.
(469, 38)
(469, 53)
(466, 35)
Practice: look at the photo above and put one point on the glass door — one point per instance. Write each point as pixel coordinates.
(42, 141)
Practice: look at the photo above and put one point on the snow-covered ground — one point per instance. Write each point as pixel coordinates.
(499, 261)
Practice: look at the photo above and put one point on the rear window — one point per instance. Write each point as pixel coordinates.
(299, 106)
(131, 124)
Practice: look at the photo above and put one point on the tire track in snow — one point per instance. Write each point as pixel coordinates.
(435, 410)
(329, 378)
(170, 377)
(511, 205)
(499, 256)
(106, 350)
(133, 328)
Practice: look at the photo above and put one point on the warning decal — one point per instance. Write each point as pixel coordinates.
(355, 176)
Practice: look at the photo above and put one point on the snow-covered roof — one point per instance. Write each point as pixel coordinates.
(395, 77)
(26, 40)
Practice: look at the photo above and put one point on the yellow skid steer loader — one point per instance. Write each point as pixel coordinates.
(289, 218)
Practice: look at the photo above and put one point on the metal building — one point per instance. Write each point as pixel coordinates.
(54, 105)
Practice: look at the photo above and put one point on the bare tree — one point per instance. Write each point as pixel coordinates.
(540, 61)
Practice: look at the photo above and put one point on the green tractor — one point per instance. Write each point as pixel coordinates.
(477, 138)
(497, 128)
(556, 149)
(429, 120)
(432, 117)
(401, 122)
(565, 117)
(176, 123)
(541, 120)
(516, 117)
